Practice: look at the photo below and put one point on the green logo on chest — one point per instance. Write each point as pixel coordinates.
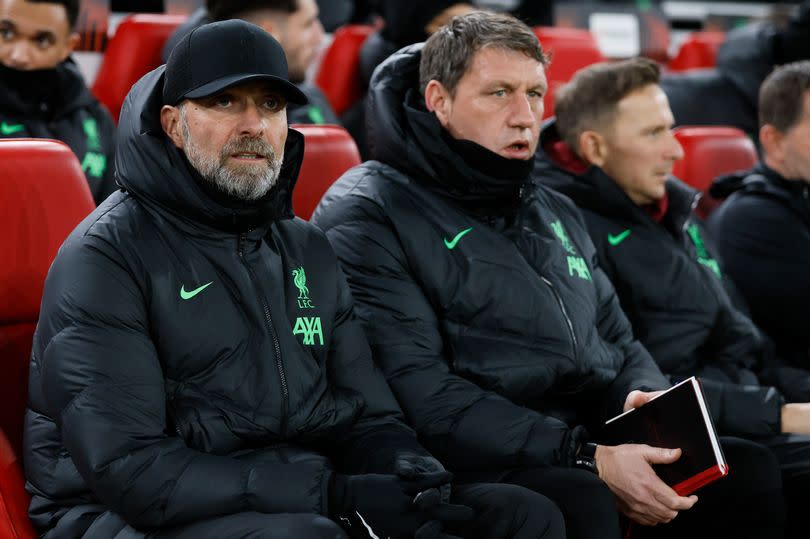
(300, 281)
(703, 257)
(310, 327)
(576, 264)
(10, 129)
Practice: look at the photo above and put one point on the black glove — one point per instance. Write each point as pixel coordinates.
(388, 506)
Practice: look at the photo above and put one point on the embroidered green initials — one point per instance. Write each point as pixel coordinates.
(576, 264)
(310, 327)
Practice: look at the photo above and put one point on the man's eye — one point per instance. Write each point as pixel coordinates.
(274, 103)
(7, 33)
(43, 42)
(223, 101)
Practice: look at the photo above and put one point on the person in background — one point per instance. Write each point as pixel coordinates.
(611, 150)
(42, 92)
(763, 227)
(485, 304)
(727, 94)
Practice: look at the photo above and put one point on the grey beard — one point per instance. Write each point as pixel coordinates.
(252, 183)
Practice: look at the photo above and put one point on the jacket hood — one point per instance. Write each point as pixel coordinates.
(154, 171)
(404, 135)
(558, 167)
(44, 93)
(761, 179)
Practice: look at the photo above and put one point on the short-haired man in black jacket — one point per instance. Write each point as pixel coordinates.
(485, 306)
(611, 149)
(763, 228)
(42, 92)
(198, 371)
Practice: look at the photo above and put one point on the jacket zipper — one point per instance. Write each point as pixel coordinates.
(285, 393)
(560, 303)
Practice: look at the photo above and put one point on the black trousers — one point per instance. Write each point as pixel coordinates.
(746, 504)
(793, 453)
(502, 511)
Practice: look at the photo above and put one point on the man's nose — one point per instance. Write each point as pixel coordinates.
(251, 122)
(523, 114)
(21, 55)
(676, 150)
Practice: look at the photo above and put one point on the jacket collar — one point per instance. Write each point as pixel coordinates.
(46, 93)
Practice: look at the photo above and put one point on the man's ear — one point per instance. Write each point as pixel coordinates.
(72, 42)
(592, 148)
(439, 101)
(170, 122)
(771, 139)
(270, 25)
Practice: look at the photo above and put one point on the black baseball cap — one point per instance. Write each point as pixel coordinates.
(222, 54)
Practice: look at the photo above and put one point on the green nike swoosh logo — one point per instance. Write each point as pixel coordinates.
(192, 293)
(452, 243)
(617, 239)
(7, 129)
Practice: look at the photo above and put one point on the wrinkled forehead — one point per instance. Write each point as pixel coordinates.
(497, 64)
(31, 18)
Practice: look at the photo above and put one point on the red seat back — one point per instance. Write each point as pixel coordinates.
(329, 151)
(710, 151)
(43, 196)
(133, 51)
(571, 49)
(14, 523)
(339, 72)
(699, 50)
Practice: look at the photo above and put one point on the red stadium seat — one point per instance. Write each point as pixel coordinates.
(14, 523)
(698, 51)
(133, 51)
(329, 151)
(571, 49)
(43, 196)
(339, 73)
(710, 151)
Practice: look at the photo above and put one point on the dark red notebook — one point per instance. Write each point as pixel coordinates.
(680, 418)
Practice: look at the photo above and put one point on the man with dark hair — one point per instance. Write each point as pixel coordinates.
(611, 150)
(763, 228)
(42, 92)
(197, 368)
(295, 24)
(499, 333)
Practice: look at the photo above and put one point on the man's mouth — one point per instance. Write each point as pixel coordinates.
(517, 150)
(248, 156)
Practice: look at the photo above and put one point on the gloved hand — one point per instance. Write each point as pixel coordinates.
(410, 465)
(388, 506)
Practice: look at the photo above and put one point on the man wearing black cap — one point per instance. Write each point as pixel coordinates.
(198, 371)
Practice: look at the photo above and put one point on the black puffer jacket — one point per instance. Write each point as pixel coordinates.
(673, 290)
(56, 104)
(195, 359)
(494, 326)
(763, 234)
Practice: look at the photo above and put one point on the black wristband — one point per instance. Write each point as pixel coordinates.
(586, 458)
